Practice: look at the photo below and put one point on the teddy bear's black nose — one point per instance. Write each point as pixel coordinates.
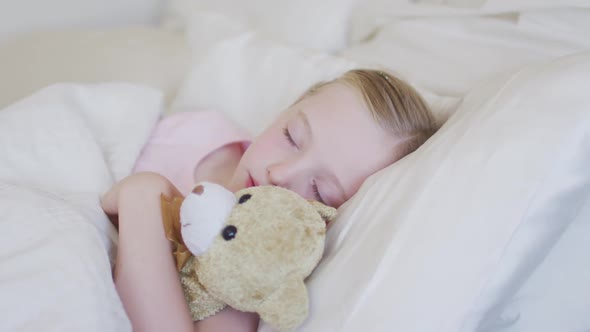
(229, 232)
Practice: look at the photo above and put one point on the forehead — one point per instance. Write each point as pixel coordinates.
(335, 97)
(347, 140)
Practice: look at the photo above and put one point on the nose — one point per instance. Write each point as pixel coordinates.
(278, 174)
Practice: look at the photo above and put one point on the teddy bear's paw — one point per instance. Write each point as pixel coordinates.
(288, 306)
(204, 308)
(201, 304)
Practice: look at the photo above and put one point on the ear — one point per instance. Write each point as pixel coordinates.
(287, 307)
(328, 213)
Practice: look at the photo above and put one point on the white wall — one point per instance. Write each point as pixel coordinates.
(18, 16)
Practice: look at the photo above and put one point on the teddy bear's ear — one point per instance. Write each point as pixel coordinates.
(328, 213)
(287, 307)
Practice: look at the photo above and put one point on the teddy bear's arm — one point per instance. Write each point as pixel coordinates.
(171, 218)
(287, 307)
(327, 213)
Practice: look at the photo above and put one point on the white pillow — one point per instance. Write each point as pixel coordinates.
(321, 25)
(437, 240)
(556, 295)
(449, 55)
(250, 78)
(366, 19)
(237, 71)
(148, 56)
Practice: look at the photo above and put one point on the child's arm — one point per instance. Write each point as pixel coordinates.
(229, 319)
(145, 274)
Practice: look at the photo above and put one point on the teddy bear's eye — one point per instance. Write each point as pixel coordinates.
(229, 232)
(244, 198)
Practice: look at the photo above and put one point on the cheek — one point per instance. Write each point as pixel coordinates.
(268, 146)
(262, 150)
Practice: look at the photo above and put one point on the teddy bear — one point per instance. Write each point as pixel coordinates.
(251, 249)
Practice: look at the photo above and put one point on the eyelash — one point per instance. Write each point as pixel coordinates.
(316, 193)
(289, 137)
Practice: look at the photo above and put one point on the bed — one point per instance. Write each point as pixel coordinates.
(484, 228)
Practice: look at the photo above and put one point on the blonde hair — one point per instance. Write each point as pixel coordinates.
(394, 104)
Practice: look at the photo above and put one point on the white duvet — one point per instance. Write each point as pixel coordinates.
(59, 150)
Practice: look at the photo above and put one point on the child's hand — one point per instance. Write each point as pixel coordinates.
(133, 189)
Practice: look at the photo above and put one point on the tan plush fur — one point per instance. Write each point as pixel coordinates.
(279, 241)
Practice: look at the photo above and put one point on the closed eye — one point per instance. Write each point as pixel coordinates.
(289, 137)
(316, 193)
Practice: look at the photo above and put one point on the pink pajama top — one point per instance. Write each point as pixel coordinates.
(181, 140)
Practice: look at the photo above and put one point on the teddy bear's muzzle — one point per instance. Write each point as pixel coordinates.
(203, 214)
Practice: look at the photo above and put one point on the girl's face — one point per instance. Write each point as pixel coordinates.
(323, 148)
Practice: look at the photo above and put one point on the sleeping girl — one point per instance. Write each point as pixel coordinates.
(323, 147)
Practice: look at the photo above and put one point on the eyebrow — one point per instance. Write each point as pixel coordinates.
(331, 176)
(305, 120)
